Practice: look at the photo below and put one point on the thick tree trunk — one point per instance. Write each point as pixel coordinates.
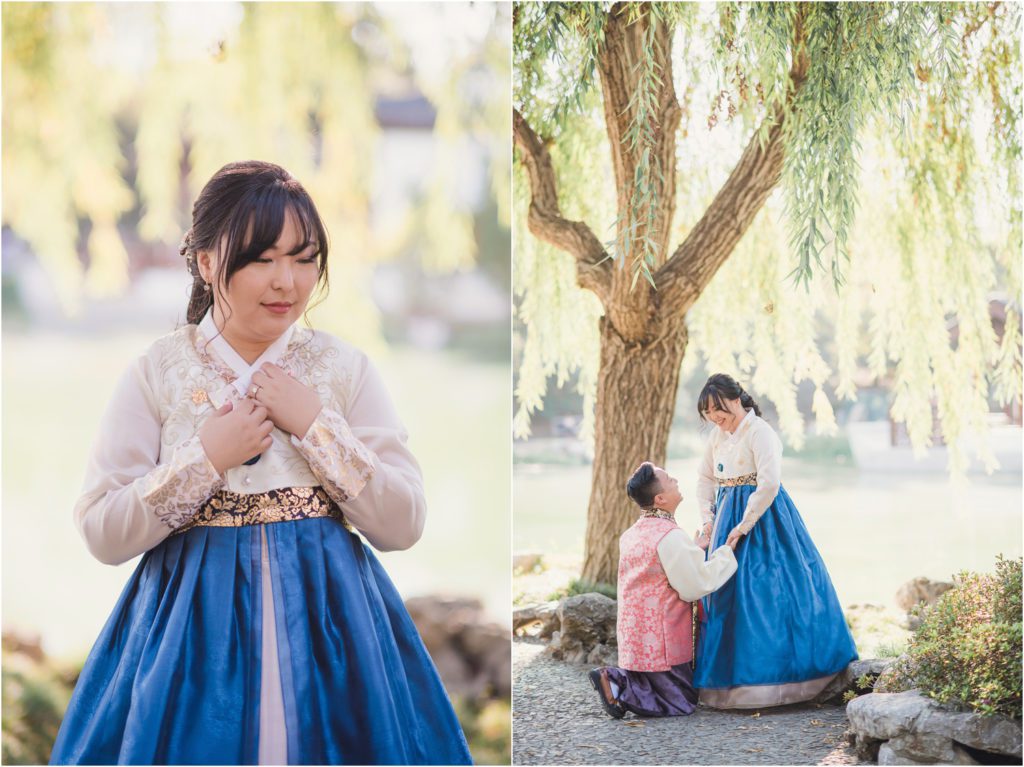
(636, 399)
(641, 350)
(643, 331)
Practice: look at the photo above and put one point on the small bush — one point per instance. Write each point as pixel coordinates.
(967, 650)
(579, 586)
(488, 729)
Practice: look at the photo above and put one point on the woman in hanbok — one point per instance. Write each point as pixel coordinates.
(775, 633)
(239, 455)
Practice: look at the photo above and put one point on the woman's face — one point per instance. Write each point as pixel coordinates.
(266, 296)
(728, 419)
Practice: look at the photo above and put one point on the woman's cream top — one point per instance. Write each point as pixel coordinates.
(148, 473)
(752, 448)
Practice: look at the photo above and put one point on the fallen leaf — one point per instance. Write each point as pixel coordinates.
(755, 750)
(634, 723)
(817, 722)
(756, 716)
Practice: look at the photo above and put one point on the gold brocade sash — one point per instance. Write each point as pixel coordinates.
(745, 479)
(286, 504)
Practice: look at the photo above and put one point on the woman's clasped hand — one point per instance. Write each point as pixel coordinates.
(235, 433)
(240, 430)
(290, 404)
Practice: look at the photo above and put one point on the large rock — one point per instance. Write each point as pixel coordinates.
(908, 728)
(585, 621)
(543, 613)
(847, 678)
(920, 591)
(472, 655)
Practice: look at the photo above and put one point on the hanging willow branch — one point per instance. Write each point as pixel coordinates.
(545, 217)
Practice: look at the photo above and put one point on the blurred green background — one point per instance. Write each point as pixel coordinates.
(395, 118)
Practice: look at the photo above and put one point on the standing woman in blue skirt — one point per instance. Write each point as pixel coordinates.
(775, 633)
(239, 455)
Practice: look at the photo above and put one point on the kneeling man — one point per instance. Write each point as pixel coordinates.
(661, 571)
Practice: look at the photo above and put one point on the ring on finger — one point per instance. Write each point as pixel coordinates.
(254, 390)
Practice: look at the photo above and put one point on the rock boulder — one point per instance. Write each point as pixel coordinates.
(472, 655)
(585, 622)
(847, 679)
(920, 591)
(544, 614)
(908, 728)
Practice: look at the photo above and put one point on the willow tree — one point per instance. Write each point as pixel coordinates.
(187, 89)
(652, 236)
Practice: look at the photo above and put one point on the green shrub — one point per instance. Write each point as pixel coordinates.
(487, 725)
(967, 650)
(579, 586)
(34, 698)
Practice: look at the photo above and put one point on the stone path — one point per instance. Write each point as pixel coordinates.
(557, 719)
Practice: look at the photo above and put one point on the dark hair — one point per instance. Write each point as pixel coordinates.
(719, 388)
(239, 214)
(643, 485)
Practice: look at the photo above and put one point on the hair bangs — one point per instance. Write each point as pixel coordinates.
(708, 397)
(311, 227)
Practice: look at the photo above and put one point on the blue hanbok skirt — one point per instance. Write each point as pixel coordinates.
(174, 677)
(774, 633)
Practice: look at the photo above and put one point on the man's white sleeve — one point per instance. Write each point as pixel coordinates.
(688, 573)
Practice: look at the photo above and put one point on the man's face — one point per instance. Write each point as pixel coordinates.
(669, 497)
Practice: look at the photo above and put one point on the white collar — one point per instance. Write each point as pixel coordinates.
(233, 359)
(740, 426)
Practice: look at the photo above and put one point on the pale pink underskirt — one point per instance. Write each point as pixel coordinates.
(765, 695)
(273, 743)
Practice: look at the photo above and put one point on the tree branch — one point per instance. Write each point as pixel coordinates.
(593, 267)
(691, 266)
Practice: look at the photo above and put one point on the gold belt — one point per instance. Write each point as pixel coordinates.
(224, 509)
(746, 479)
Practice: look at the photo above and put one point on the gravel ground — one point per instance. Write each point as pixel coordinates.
(557, 719)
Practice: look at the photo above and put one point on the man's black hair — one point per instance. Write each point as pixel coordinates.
(643, 486)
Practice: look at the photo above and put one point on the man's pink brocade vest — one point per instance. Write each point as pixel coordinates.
(655, 629)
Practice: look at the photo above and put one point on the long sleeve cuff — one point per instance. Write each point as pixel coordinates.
(337, 458)
(688, 573)
(176, 490)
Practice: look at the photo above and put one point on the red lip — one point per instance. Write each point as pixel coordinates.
(278, 308)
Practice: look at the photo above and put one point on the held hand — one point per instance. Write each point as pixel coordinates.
(702, 539)
(235, 433)
(291, 405)
(733, 539)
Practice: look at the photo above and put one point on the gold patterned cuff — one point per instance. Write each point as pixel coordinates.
(335, 455)
(176, 490)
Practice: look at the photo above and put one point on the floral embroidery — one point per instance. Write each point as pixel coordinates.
(287, 504)
(181, 366)
(211, 360)
(175, 490)
(745, 479)
(337, 458)
(654, 628)
(311, 359)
